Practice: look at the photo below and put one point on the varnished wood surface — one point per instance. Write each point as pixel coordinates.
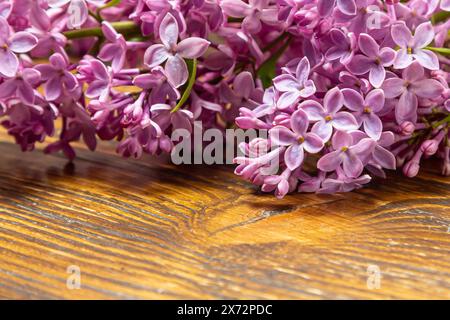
(145, 229)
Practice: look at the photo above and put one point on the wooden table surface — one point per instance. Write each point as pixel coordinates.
(145, 229)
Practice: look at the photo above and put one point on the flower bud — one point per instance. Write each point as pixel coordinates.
(429, 147)
(406, 128)
(411, 169)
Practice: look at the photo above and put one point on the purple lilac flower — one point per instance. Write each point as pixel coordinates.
(254, 12)
(370, 76)
(346, 153)
(116, 50)
(412, 85)
(373, 61)
(78, 9)
(366, 109)
(297, 139)
(101, 84)
(10, 44)
(412, 47)
(174, 52)
(343, 47)
(295, 86)
(345, 6)
(329, 116)
(21, 86)
(57, 78)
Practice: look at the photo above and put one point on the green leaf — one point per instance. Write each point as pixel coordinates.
(267, 72)
(440, 16)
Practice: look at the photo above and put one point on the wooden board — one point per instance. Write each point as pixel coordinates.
(145, 229)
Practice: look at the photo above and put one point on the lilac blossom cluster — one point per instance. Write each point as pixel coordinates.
(345, 88)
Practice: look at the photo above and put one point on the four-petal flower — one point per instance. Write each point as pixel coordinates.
(294, 87)
(298, 139)
(347, 153)
(366, 109)
(174, 52)
(10, 44)
(412, 47)
(373, 61)
(329, 115)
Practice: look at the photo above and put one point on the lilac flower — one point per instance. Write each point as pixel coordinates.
(345, 6)
(311, 183)
(253, 13)
(381, 157)
(57, 78)
(366, 109)
(343, 46)
(101, 86)
(326, 59)
(298, 140)
(19, 42)
(351, 81)
(174, 52)
(281, 184)
(413, 84)
(342, 183)
(250, 118)
(114, 51)
(373, 61)
(346, 153)
(162, 115)
(50, 38)
(161, 89)
(368, 18)
(294, 87)
(21, 86)
(329, 116)
(78, 9)
(130, 147)
(243, 94)
(412, 47)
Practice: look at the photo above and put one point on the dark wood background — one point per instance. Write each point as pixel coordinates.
(145, 229)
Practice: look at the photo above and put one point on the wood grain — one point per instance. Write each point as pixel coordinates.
(146, 229)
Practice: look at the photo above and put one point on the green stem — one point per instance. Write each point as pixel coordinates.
(446, 120)
(96, 16)
(110, 4)
(443, 51)
(124, 27)
(190, 85)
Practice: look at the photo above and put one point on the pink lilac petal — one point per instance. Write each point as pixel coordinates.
(168, 31)
(177, 71)
(282, 136)
(193, 47)
(294, 156)
(22, 42)
(9, 63)
(155, 55)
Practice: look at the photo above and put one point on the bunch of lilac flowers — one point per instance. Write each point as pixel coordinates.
(345, 88)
